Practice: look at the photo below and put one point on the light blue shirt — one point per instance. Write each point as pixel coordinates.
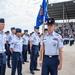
(52, 43)
(35, 39)
(25, 39)
(16, 44)
(10, 37)
(2, 42)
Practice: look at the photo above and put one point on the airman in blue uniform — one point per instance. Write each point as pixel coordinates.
(25, 45)
(2, 48)
(11, 35)
(51, 61)
(9, 39)
(16, 50)
(34, 47)
(29, 52)
(7, 45)
(71, 40)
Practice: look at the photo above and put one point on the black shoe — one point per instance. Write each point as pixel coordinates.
(32, 72)
(37, 69)
(23, 63)
(9, 66)
(26, 61)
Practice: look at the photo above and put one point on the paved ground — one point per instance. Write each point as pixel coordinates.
(68, 63)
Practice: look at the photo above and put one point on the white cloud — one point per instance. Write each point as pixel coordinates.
(20, 13)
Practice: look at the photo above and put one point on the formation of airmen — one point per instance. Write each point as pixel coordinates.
(15, 46)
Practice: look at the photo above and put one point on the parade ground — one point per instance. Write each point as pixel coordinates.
(68, 63)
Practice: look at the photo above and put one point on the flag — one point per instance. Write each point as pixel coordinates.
(43, 14)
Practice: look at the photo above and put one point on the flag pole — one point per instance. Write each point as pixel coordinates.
(43, 27)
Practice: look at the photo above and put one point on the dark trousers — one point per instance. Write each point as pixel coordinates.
(8, 53)
(8, 58)
(16, 63)
(50, 65)
(71, 42)
(24, 53)
(2, 64)
(34, 55)
(29, 49)
(66, 42)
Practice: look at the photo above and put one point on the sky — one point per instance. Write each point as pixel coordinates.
(21, 13)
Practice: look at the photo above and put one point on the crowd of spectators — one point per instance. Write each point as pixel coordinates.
(67, 32)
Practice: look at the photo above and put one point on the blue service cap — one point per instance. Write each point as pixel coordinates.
(35, 27)
(50, 21)
(13, 28)
(25, 31)
(2, 20)
(18, 30)
(7, 31)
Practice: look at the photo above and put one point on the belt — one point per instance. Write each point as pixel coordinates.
(25, 45)
(18, 52)
(35, 45)
(51, 56)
